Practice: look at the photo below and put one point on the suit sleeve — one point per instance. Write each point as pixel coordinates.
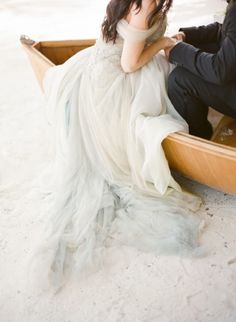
(219, 68)
(202, 34)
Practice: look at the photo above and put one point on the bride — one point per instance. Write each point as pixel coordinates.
(112, 184)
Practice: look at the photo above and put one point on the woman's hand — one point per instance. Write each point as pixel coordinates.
(170, 42)
(180, 36)
(167, 42)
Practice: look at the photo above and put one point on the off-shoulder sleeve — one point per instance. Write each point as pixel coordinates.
(130, 33)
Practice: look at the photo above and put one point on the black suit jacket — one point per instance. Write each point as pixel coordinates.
(210, 51)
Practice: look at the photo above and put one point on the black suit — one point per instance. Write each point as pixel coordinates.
(206, 73)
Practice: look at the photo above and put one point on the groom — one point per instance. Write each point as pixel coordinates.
(206, 72)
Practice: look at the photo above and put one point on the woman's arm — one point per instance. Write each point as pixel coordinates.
(135, 54)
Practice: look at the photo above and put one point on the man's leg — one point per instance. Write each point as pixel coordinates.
(191, 97)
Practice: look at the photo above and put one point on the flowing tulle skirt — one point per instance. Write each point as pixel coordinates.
(111, 184)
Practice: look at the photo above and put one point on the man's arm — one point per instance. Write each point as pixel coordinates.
(219, 68)
(203, 34)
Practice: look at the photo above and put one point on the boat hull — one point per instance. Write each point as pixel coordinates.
(208, 162)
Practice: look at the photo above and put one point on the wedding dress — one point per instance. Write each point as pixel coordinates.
(112, 184)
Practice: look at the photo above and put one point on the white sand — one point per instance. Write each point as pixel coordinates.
(141, 288)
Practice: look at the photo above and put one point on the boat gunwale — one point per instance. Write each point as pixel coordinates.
(64, 43)
(34, 48)
(204, 145)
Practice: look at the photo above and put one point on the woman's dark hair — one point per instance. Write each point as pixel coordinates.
(118, 9)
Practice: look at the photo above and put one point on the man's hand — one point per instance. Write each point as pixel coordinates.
(168, 49)
(180, 36)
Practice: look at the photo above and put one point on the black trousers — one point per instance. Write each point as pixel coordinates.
(191, 97)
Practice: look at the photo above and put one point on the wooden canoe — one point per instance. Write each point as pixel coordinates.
(210, 162)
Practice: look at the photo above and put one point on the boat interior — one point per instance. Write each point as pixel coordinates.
(58, 52)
